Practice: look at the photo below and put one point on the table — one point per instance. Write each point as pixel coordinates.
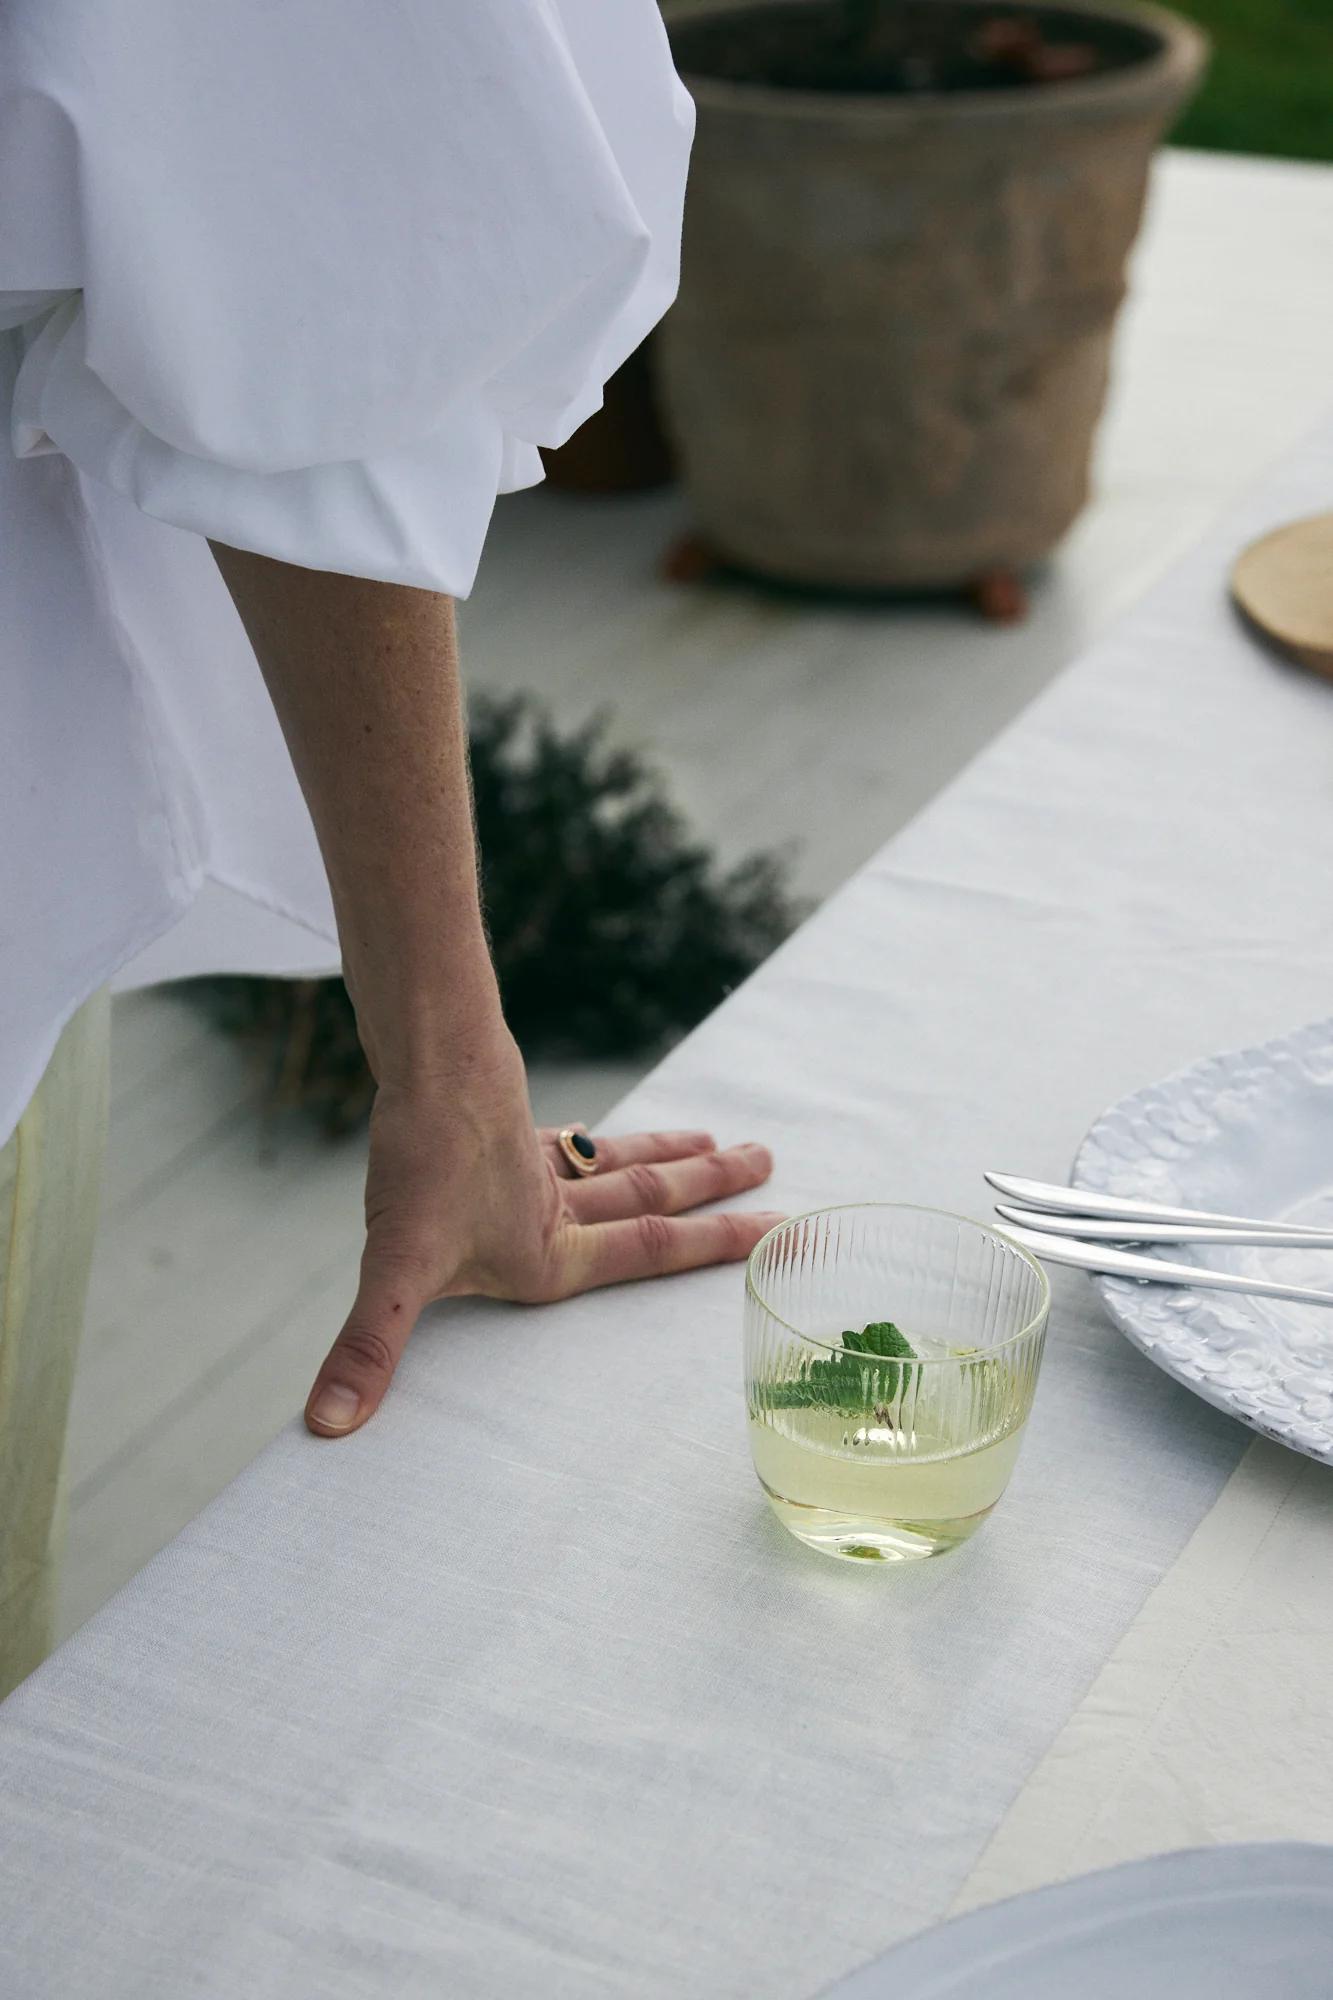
(521, 1691)
(882, 708)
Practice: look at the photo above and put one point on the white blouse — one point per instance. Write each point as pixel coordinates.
(310, 277)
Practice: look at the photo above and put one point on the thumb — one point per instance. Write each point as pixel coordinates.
(350, 1386)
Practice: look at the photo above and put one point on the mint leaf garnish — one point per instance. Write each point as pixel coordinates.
(870, 1372)
(880, 1337)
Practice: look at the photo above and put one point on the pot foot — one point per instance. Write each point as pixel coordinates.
(691, 559)
(1000, 595)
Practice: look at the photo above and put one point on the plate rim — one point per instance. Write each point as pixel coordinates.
(1004, 1929)
(1110, 1291)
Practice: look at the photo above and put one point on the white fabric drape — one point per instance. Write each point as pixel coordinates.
(314, 279)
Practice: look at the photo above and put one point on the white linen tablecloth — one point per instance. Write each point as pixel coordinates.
(522, 1691)
(1213, 1718)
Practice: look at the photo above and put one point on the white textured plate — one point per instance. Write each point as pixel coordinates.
(1222, 1923)
(1249, 1133)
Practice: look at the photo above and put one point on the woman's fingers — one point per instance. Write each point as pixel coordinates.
(359, 1367)
(623, 1222)
(668, 1187)
(653, 1246)
(636, 1147)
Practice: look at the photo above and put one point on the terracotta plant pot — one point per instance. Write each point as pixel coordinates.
(905, 246)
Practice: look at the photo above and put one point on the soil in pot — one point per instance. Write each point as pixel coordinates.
(860, 48)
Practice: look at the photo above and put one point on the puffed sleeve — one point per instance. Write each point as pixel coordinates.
(316, 277)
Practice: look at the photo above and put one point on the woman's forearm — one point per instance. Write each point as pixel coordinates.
(364, 679)
(462, 1194)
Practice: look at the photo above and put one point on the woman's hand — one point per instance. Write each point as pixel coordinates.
(463, 1196)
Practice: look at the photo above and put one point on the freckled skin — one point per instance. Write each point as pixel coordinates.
(463, 1194)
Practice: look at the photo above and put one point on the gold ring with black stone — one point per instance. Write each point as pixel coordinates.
(578, 1149)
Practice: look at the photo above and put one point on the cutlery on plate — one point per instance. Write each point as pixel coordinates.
(1114, 1207)
(1097, 1229)
(1113, 1263)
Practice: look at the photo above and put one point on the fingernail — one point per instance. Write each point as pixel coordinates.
(760, 1154)
(335, 1407)
(771, 1217)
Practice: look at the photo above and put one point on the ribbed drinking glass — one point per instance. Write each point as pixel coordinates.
(891, 1356)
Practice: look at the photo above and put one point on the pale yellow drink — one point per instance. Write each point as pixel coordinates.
(866, 1491)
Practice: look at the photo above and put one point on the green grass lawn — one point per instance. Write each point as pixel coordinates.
(1269, 88)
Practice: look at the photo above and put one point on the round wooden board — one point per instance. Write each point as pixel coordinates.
(1283, 584)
